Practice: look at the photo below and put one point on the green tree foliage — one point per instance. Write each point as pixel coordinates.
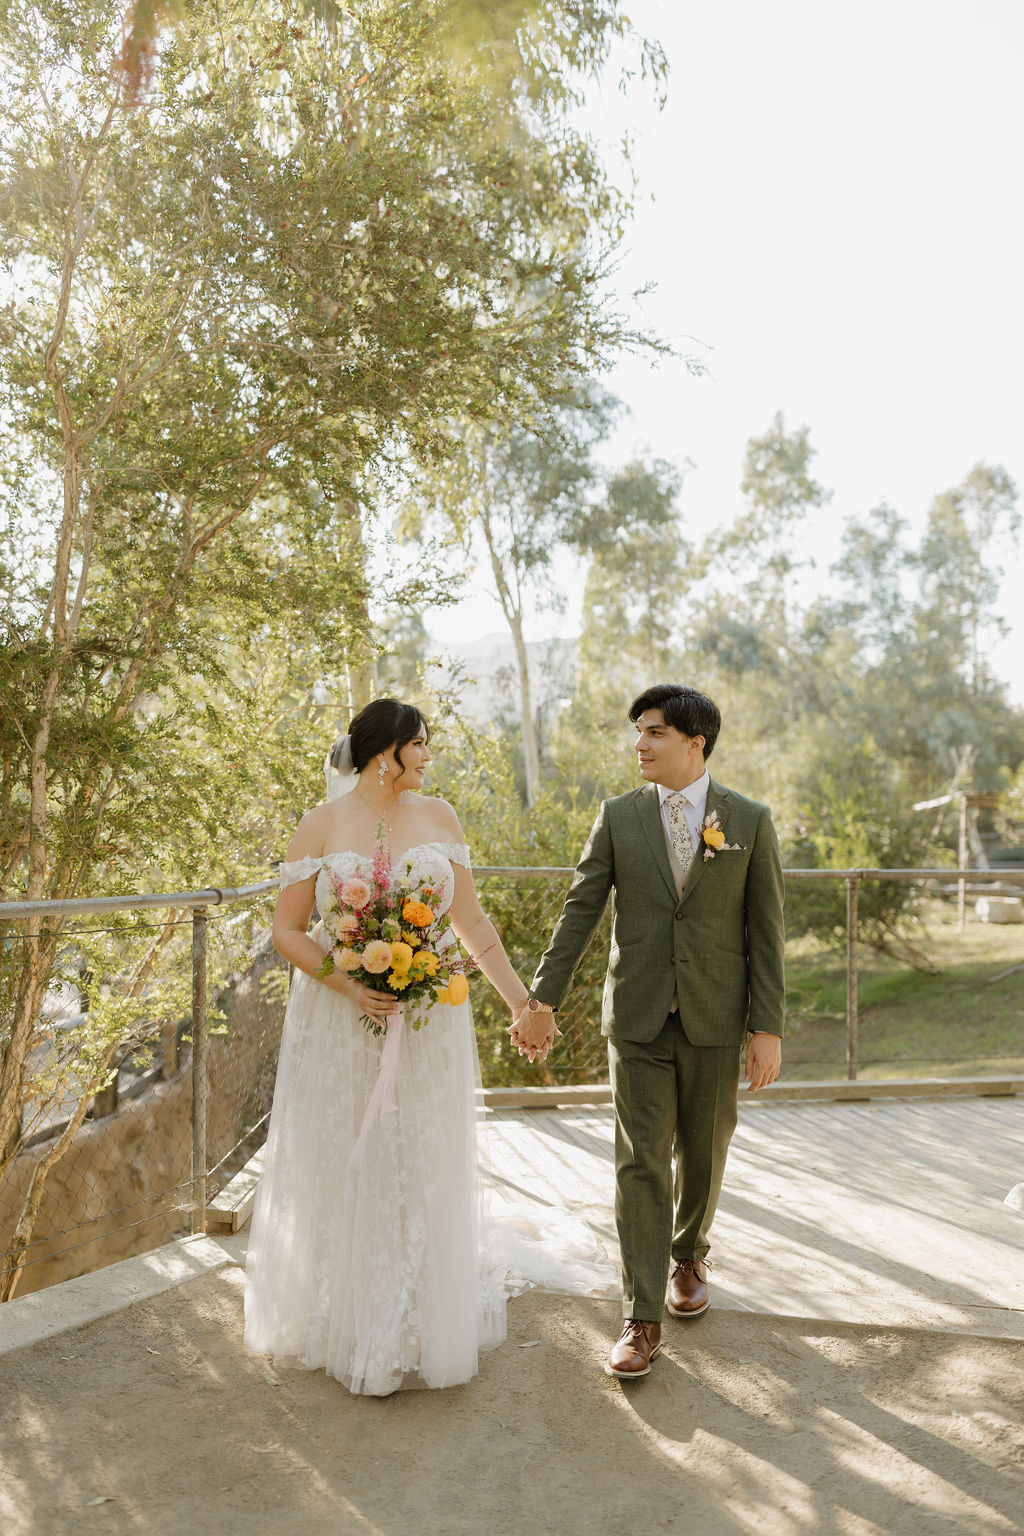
(247, 258)
(842, 712)
(912, 629)
(476, 771)
(519, 494)
(635, 620)
(751, 623)
(854, 811)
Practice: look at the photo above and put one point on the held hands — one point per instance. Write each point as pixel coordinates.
(764, 1060)
(533, 1032)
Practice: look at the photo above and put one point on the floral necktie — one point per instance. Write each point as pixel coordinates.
(679, 832)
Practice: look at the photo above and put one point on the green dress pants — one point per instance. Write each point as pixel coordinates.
(668, 1095)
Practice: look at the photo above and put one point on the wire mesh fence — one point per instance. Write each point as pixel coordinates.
(524, 905)
(103, 1163)
(151, 1073)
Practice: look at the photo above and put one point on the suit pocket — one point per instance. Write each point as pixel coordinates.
(627, 942)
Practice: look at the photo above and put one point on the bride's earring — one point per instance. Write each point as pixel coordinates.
(382, 770)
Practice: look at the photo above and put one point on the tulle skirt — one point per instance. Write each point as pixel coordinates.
(384, 1273)
(392, 1268)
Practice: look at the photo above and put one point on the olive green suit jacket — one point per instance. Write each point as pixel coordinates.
(717, 947)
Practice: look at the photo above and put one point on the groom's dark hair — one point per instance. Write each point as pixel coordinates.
(689, 711)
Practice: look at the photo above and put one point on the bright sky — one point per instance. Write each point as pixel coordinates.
(831, 213)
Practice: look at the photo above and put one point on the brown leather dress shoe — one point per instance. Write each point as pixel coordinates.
(639, 1344)
(688, 1294)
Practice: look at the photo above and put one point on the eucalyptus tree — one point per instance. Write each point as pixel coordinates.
(919, 619)
(641, 568)
(246, 258)
(517, 494)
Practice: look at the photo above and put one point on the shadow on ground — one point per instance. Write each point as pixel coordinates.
(156, 1421)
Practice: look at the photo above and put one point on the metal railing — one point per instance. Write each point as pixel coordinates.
(853, 879)
(198, 903)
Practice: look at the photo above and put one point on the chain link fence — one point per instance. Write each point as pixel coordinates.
(107, 1162)
(191, 1043)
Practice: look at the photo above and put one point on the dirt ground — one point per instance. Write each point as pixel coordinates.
(156, 1420)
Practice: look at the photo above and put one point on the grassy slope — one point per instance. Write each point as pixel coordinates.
(957, 1024)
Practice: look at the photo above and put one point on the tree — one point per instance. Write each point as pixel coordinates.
(854, 812)
(271, 252)
(634, 602)
(520, 494)
(916, 623)
(761, 549)
(959, 571)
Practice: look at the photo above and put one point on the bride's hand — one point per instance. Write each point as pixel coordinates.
(376, 1005)
(533, 1033)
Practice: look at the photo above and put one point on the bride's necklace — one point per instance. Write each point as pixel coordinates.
(385, 815)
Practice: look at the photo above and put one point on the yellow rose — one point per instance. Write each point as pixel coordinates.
(442, 994)
(458, 989)
(714, 837)
(401, 956)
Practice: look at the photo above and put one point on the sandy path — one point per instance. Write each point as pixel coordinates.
(748, 1424)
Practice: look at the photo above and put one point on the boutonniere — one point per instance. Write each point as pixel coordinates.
(714, 837)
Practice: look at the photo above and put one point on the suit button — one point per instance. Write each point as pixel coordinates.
(680, 916)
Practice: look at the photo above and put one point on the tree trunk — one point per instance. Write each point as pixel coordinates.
(531, 754)
(511, 607)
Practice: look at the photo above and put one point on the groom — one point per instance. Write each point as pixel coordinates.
(696, 964)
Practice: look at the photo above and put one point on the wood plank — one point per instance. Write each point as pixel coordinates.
(853, 1212)
(571, 1096)
(233, 1205)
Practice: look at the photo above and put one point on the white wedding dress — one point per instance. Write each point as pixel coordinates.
(389, 1273)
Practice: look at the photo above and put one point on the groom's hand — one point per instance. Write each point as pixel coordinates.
(764, 1060)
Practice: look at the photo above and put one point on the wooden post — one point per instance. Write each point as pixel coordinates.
(961, 887)
(198, 1069)
(852, 1018)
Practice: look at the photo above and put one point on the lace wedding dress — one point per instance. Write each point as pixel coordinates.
(384, 1273)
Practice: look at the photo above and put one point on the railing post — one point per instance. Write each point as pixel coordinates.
(852, 1016)
(198, 1069)
(961, 885)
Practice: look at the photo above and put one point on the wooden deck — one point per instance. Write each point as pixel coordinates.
(890, 1212)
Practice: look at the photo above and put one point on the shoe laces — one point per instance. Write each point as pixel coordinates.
(633, 1327)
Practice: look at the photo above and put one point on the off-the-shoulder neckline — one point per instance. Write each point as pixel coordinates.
(340, 853)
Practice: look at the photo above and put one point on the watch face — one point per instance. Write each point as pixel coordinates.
(533, 1005)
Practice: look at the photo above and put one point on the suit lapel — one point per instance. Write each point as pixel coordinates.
(648, 810)
(717, 802)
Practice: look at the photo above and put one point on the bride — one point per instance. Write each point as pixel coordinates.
(372, 1255)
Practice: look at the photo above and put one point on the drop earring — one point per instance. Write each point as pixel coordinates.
(382, 770)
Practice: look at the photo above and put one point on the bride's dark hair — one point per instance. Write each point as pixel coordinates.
(382, 724)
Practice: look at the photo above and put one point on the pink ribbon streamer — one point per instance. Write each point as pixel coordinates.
(383, 1088)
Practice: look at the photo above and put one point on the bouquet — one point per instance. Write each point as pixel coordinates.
(393, 938)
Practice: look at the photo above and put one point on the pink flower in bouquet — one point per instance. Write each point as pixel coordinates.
(354, 893)
(377, 957)
(348, 960)
(348, 927)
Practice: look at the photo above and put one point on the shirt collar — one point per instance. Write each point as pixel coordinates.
(695, 792)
